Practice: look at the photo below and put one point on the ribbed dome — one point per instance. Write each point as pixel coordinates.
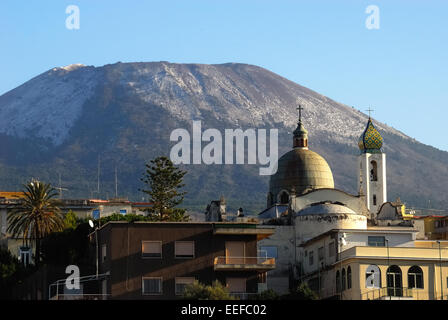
(370, 140)
(302, 169)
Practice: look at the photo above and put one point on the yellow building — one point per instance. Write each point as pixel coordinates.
(402, 273)
(376, 263)
(433, 227)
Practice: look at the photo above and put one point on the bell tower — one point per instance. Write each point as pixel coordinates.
(372, 168)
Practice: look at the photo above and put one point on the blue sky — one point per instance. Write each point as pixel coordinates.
(400, 69)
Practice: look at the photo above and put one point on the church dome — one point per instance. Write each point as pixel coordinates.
(319, 218)
(303, 170)
(370, 140)
(299, 170)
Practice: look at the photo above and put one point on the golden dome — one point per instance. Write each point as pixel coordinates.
(303, 170)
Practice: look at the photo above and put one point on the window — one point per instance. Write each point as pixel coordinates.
(394, 283)
(152, 249)
(152, 285)
(373, 277)
(25, 255)
(320, 253)
(375, 241)
(103, 252)
(343, 280)
(374, 171)
(284, 197)
(374, 199)
(331, 249)
(268, 252)
(338, 281)
(349, 277)
(415, 277)
(181, 283)
(311, 258)
(184, 249)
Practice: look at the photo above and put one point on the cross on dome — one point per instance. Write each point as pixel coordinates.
(300, 108)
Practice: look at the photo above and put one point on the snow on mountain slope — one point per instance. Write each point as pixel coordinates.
(47, 105)
(241, 95)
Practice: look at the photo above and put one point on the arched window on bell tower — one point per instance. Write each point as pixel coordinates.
(374, 171)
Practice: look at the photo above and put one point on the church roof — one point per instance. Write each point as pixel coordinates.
(370, 140)
(303, 170)
(325, 208)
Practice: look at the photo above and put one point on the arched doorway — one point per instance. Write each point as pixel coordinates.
(394, 281)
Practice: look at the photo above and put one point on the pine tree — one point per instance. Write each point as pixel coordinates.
(165, 181)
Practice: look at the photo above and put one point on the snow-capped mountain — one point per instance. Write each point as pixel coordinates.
(67, 117)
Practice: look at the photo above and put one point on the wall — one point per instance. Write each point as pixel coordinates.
(283, 239)
(310, 226)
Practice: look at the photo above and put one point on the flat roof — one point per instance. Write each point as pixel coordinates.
(220, 225)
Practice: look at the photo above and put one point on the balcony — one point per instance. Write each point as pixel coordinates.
(261, 264)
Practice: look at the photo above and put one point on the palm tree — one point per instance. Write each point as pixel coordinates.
(36, 216)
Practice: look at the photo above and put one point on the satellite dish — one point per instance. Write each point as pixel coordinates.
(91, 224)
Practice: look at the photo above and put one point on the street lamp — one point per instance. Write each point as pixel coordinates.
(440, 259)
(92, 225)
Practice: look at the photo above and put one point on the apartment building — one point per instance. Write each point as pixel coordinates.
(156, 260)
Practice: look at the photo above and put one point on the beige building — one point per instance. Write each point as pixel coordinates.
(376, 263)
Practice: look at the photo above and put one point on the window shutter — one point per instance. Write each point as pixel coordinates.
(185, 249)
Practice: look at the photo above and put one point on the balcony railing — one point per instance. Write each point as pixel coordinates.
(244, 263)
(385, 293)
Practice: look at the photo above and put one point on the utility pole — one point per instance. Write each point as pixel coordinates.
(116, 183)
(98, 186)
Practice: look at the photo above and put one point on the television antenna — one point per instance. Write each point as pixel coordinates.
(60, 188)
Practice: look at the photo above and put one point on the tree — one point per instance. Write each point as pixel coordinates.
(70, 220)
(302, 292)
(200, 291)
(71, 246)
(8, 268)
(36, 216)
(266, 295)
(164, 181)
